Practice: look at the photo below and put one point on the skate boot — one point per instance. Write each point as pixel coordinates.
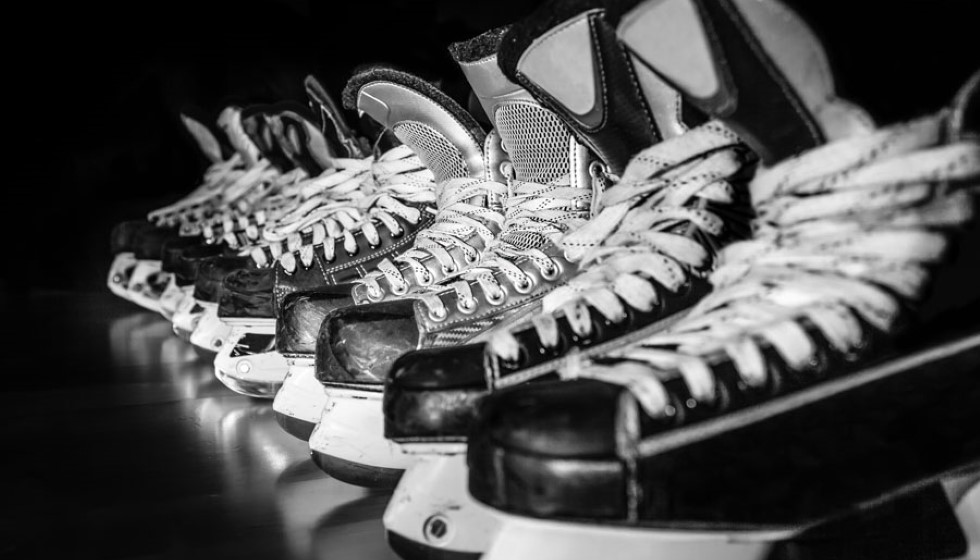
(643, 261)
(397, 209)
(252, 135)
(820, 373)
(237, 233)
(123, 241)
(465, 163)
(551, 180)
(125, 237)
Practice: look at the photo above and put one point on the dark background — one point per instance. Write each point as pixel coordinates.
(96, 90)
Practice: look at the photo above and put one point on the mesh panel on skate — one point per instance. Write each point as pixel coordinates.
(524, 239)
(536, 140)
(461, 334)
(437, 153)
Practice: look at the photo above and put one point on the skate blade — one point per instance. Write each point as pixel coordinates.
(357, 474)
(259, 390)
(521, 537)
(299, 429)
(256, 374)
(120, 273)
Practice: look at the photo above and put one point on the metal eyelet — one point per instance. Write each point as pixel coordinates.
(466, 306)
(439, 314)
(597, 170)
(447, 270)
(355, 253)
(496, 300)
(526, 287)
(551, 274)
(397, 234)
(399, 290)
(470, 259)
(375, 296)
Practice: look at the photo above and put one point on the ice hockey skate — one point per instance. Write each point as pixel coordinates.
(245, 361)
(551, 178)
(125, 238)
(465, 164)
(631, 279)
(235, 233)
(828, 376)
(385, 224)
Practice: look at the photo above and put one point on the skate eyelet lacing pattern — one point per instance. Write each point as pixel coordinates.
(457, 219)
(535, 215)
(845, 236)
(196, 217)
(300, 203)
(217, 177)
(239, 224)
(654, 231)
(398, 178)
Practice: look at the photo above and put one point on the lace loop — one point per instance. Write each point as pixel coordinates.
(656, 230)
(845, 237)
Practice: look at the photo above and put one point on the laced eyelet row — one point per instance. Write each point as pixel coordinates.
(526, 286)
(438, 314)
(466, 305)
(551, 274)
(496, 299)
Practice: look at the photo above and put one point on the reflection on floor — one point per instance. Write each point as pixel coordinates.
(120, 443)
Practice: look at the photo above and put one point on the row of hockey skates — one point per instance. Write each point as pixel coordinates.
(677, 298)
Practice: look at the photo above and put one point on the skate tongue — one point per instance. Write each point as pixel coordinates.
(445, 137)
(540, 146)
(340, 139)
(753, 64)
(568, 56)
(230, 122)
(206, 140)
(257, 124)
(302, 141)
(964, 119)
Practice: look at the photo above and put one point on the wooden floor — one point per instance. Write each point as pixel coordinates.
(119, 443)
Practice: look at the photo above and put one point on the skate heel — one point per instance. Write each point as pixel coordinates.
(431, 515)
(753, 64)
(348, 442)
(300, 401)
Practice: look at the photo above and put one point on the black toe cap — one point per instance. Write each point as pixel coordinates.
(149, 243)
(124, 235)
(431, 394)
(183, 262)
(247, 293)
(174, 249)
(568, 419)
(359, 344)
(453, 367)
(211, 273)
(301, 315)
(549, 450)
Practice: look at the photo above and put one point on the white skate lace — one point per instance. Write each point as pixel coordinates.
(456, 221)
(217, 177)
(399, 178)
(535, 215)
(250, 211)
(844, 238)
(323, 198)
(653, 225)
